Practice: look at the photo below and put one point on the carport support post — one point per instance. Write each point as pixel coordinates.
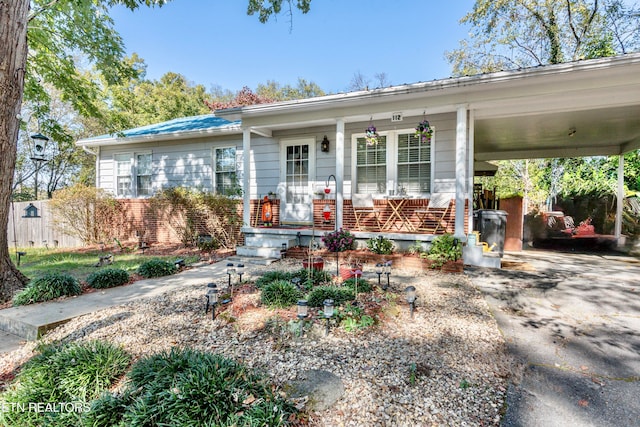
(620, 198)
(461, 170)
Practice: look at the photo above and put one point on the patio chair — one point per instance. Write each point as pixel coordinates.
(363, 207)
(432, 218)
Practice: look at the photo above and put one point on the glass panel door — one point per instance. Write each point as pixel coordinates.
(298, 168)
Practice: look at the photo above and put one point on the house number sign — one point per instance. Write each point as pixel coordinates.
(396, 117)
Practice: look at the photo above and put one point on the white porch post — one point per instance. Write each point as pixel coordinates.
(620, 198)
(339, 172)
(461, 169)
(246, 177)
(471, 171)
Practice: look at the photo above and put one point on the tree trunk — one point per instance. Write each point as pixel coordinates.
(13, 57)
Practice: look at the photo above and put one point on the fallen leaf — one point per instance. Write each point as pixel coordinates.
(249, 400)
(583, 403)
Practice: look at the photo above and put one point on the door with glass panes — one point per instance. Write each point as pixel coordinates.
(297, 173)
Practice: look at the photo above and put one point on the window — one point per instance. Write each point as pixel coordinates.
(225, 171)
(371, 166)
(414, 164)
(126, 167)
(399, 162)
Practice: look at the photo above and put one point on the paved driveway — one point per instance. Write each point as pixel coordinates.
(573, 320)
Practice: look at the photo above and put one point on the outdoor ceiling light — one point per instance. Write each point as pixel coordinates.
(328, 312)
(410, 294)
(324, 145)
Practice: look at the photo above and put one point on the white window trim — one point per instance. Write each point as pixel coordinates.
(214, 172)
(133, 173)
(392, 161)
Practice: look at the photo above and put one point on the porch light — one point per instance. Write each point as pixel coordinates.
(324, 145)
(410, 294)
(328, 312)
(379, 268)
(326, 213)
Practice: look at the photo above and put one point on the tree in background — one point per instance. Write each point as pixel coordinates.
(276, 92)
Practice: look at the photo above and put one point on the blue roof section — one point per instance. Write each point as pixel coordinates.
(182, 124)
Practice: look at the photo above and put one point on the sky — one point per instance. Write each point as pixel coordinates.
(215, 43)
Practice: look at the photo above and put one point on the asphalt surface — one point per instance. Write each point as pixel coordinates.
(573, 321)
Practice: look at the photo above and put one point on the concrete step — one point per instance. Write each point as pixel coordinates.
(251, 260)
(9, 342)
(259, 252)
(270, 241)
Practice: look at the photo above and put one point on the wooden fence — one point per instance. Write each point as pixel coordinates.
(35, 230)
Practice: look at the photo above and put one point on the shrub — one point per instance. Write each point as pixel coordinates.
(48, 287)
(108, 278)
(380, 245)
(280, 294)
(76, 373)
(192, 388)
(444, 248)
(363, 285)
(311, 278)
(353, 318)
(156, 268)
(338, 294)
(339, 241)
(272, 276)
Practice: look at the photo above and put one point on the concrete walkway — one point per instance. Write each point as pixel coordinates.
(28, 322)
(573, 320)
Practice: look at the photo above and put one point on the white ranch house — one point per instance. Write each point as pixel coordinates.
(583, 108)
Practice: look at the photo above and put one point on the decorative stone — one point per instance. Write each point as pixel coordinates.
(322, 388)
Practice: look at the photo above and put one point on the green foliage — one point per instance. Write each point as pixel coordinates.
(364, 285)
(339, 295)
(156, 268)
(272, 276)
(108, 278)
(380, 245)
(280, 294)
(267, 9)
(312, 277)
(48, 287)
(194, 387)
(352, 318)
(75, 373)
(444, 248)
(182, 208)
(88, 213)
(416, 248)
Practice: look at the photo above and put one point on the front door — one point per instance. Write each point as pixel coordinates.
(297, 174)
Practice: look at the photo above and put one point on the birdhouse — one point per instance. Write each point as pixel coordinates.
(31, 211)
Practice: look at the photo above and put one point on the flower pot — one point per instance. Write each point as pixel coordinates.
(349, 271)
(316, 264)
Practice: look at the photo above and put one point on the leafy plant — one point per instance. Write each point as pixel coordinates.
(75, 373)
(48, 287)
(108, 278)
(272, 276)
(353, 318)
(339, 241)
(444, 248)
(380, 245)
(364, 285)
(416, 248)
(280, 294)
(156, 268)
(312, 277)
(339, 295)
(195, 387)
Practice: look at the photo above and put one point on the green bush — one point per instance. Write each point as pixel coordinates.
(338, 294)
(280, 294)
(312, 277)
(380, 245)
(74, 373)
(156, 268)
(272, 276)
(191, 388)
(444, 248)
(48, 287)
(364, 286)
(353, 318)
(108, 278)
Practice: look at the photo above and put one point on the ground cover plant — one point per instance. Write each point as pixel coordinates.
(156, 268)
(48, 287)
(195, 387)
(70, 375)
(107, 278)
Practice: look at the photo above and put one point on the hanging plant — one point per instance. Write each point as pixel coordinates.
(371, 135)
(424, 131)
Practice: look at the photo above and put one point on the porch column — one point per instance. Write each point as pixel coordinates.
(471, 170)
(620, 198)
(461, 169)
(339, 171)
(246, 177)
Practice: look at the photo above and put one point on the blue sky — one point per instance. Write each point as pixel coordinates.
(214, 42)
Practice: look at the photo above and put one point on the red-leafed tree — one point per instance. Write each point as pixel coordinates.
(245, 96)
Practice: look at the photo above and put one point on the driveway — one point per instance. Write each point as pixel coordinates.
(573, 320)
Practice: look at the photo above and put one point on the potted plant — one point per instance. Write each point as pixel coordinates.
(445, 249)
(371, 135)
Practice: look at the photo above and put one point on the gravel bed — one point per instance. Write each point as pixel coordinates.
(446, 366)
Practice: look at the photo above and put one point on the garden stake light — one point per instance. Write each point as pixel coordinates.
(210, 287)
(379, 272)
(230, 271)
(212, 298)
(410, 293)
(240, 272)
(387, 268)
(303, 312)
(296, 282)
(328, 312)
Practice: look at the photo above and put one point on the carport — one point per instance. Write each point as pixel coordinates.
(579, 109)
